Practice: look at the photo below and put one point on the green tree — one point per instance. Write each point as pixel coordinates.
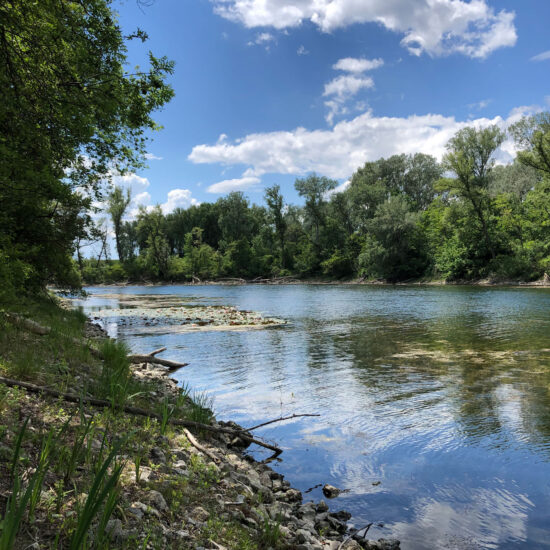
(532, 134)
(157, 252)
(70, 117)
(470, 156)
(314, 189)
(275, 204)
(117, 203)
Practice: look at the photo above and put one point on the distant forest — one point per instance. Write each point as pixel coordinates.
(401, 218)
(72, 116)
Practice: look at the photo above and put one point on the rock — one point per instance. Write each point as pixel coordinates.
(293, 495)
(157, 455)
(114, 530)
(330, 491)
(322, 506)
(157, 500)
(341, 515)
(200, 514)
(181, 534)
(303, 536)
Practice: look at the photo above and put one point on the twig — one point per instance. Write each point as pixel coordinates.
(198, 446)
(348, 538)
(279, 420)
(139, 412)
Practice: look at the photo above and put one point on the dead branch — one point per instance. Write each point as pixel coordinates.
(172, 365)
(157, 351)
(279, 420)
(27, 324)
(199, 447)
(139, 412)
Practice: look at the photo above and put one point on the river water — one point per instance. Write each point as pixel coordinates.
(434, 401)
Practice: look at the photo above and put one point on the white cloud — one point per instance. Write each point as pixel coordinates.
(357, 65)
(178, 198)
(136, 184)
(238, 184)
(479, 105)
(544, 56)
(339, 151)
(262, 39)
(347, 85)
(150, 156)
(302, 50)
(437, 27)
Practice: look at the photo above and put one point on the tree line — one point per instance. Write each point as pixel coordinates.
(74, 114)
(400, 218)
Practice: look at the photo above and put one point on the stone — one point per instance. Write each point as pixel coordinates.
(200, 514)
(322, 506)
(303, 536)
(157, 500)
(114, 530)
(330, 491)
(157, 455)
(293, 495)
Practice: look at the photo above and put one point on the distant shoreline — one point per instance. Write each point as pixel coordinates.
(541, 283)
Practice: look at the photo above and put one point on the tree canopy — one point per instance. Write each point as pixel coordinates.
(72, 114)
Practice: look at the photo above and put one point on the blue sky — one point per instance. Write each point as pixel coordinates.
(269, 90)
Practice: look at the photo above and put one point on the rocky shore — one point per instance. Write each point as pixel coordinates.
(242, 490)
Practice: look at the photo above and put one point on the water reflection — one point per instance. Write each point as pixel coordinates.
(434, 401)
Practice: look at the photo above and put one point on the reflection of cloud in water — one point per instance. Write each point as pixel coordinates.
(488, 519)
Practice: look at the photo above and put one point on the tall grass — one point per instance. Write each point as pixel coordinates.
(104, 489)
(115, 382)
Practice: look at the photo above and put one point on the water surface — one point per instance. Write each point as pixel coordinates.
(434, 401)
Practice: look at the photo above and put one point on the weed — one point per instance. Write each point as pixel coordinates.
(104, 489)
(270, 534)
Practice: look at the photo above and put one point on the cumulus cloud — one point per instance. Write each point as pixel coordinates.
(342, 88)
(544, 56)
(302, 50)
(437, 27)
(178, 198)
(339, 151)
(237, 184)
(357, 65)
(345, 86)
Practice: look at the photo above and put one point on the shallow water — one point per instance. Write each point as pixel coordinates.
(434, 401)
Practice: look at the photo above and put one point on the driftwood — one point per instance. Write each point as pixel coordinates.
(199, 447)
(172, 366)
(72, 398)
(279, 420)
(36, 328)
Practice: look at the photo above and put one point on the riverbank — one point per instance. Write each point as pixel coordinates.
(544, 282)
(110, 478)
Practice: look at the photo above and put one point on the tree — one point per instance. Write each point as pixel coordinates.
(234, 218)
(533, 135)
(471, 157)
(275, 204)
(152, 226)
(117, 203)
(315, 188)
(70, 117)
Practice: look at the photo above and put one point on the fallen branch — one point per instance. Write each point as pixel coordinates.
(172, 365)
(279, 420)
(27, 324)
(157, 351)
(199, 447)
(139, 412)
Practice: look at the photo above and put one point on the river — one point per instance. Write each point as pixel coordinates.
(434, 401)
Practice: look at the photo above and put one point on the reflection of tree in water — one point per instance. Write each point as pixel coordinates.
(463, 359)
